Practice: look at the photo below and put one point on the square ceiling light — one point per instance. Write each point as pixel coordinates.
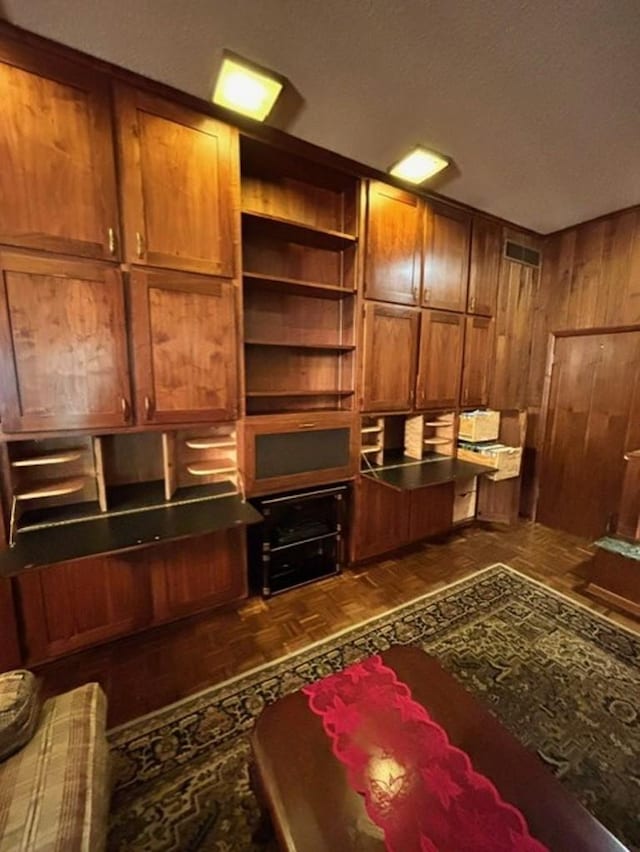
(419, 165)
(246, 88)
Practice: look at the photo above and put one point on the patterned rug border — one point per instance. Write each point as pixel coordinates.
(278, 661)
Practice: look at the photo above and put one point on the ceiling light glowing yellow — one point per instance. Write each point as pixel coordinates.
(246, 90)
(419, 165)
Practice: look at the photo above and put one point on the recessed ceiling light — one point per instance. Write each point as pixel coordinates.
(419, 165)
(246, 89)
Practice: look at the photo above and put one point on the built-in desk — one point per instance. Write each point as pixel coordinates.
(410, 475)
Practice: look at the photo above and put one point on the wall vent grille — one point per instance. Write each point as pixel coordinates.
(521, 254)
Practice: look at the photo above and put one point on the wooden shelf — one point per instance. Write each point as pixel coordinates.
(438, 423)
(297, 286)
(59, 457)
(297, 232)
(375, 449)
(209, 468)
(367, 430)
(52, 489)
(437, 441)
(283, 393)
(329, 347)
(209, 443)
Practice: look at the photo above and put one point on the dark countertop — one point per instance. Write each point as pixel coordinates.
(82, 539)
(408, 477)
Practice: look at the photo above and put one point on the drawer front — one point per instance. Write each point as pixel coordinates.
(294, 453)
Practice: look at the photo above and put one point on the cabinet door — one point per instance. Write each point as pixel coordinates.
(393, 249)
(486, 253)
(197, 574)
(430, 511)
(185, 348)
(390, 348)
(179, 171)
(478, 361)
(440, 360)
(63, 344)
(382, 518)
(57, 179)
(67, 607)
(10, 654)
(446, 260)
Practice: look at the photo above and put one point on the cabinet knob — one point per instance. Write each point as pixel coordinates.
(472, 303)
(306, 425)
(427, 294)
(149, 407)
(139, 245)
(126, 409)
(112, 240)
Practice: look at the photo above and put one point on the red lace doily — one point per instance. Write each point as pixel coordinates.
(418, 788)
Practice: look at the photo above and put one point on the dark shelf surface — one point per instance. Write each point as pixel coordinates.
(283, 344)
(297, 286)
(296, 232)
(409, 477)
(121, 532)
(279, 393)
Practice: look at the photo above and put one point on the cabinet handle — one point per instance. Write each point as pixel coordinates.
(112, 241)
(139, 245)
(126, 409)
(306, 425)
(149, 407)
(427, 294)
(472, 303)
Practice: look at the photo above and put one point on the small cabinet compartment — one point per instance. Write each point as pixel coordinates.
(63, 344)
(439, 359)
(465, 500)
(389, 358)
(430, 511)
(301, 539)
(207, 456)
(393, 260)
(478, 353)
(185, 347)
(428, 435)
(486, 254)
(179, 168)
(446, 262)
(292, 451)
(372, 441)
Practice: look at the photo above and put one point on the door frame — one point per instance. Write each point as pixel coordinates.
(546, 391)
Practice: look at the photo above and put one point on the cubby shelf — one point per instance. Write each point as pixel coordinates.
(283, 344)
(58, 488)
(296, 232)
(297, 286)
(49, 459)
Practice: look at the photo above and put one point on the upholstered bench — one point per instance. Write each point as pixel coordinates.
(54, 792)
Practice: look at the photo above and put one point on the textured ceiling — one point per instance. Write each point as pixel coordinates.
(537, 101)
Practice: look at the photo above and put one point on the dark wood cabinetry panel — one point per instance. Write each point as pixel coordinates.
(381, 520)
(498, 502)
(10, 655)
(629, 510)
(393, 248)
(57, 179)
(439, 360)
(478, 354)
(484, 268)
(430, 511)
(70, 606)
(197, 574)
(63, 344)
(179, 174)
(390, 349)
(184, 340)
(446, 257)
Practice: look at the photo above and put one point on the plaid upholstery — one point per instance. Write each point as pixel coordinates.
(19, 710)
(54, 793)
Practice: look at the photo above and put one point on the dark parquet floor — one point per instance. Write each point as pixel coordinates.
(144, 672)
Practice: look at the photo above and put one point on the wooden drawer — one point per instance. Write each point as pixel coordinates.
(294, 451)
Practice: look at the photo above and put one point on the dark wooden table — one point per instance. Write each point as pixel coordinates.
(313, 809)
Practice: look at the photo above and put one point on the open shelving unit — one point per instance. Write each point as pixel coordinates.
(299, 233)
(372, 440)
(430, 434)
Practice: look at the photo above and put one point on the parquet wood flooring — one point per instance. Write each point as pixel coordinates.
(145, 672)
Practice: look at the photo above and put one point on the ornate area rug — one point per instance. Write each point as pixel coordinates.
(565, 681)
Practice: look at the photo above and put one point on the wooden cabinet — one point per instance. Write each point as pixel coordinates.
(289, 451)
(478, 355)
(439, 360)
(393, 247)
(185, 347)
(67, 607)
(430, 511)
(10, 654)
(381, 519)
(486, 254)
(179, 170)
(57, 180)
(63, 344)
(446, 258)
(389, 362)
(197, 574)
